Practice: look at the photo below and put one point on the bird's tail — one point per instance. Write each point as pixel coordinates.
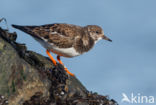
(22, 28)
(17, 26)
(26, 29)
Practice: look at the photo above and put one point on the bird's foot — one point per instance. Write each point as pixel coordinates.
(68, 71)
(58, 58)
(55, 63)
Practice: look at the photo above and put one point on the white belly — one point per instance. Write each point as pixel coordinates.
(66, 52)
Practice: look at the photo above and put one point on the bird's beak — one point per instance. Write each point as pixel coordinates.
(106, 38)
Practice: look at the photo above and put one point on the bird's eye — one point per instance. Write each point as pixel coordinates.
(97, 32)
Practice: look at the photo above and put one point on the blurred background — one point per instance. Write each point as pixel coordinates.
(127, 65)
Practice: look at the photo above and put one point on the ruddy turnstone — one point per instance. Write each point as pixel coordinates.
(65, 39)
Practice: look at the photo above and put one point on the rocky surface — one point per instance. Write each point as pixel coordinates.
(28, 78)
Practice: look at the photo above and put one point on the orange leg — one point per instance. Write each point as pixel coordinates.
(52, 59)
(58, 58)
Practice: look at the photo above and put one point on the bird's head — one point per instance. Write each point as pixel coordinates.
(96, 32)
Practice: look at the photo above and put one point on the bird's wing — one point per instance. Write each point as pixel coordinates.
(58, 34)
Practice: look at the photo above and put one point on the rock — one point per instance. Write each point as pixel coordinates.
(28, 78)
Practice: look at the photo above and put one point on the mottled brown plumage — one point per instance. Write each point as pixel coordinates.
(64, 36)
(65, 39)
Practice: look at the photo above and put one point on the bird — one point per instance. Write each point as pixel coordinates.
(64, 39)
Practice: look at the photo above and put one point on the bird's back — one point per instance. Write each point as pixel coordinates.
(66, 30)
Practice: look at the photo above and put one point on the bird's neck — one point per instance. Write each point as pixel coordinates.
(84, 44)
